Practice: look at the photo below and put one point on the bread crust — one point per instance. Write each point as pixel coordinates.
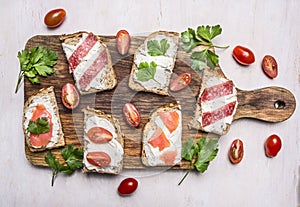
(134, 85)
(88, 112)
(50, 93)
(109, 77)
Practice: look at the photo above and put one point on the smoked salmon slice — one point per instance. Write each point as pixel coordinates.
(170, 119)
(159, 139)
(41, 140)
(168, 157)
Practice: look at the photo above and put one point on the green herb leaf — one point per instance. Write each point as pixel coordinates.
(189, 40)
(39, 126)
(156, 48)
(146, 71)
(37, 61)
(208, 33)
(189, 149)
(199, 60)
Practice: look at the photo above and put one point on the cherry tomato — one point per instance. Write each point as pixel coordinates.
(99, 135)
(127, 186)
(236, 151)
(70, 96)
(123, 42)
(180, 82)
(100, 159)
(269, 66)
(272, 145)
(243, 55)
(131, 114)
(54, 18)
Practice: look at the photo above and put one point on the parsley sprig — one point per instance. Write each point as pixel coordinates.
(203, 36)
(73, 160)
(156, 48)
(199, 153)
(146, 71)
(39, 126)
(37, 61)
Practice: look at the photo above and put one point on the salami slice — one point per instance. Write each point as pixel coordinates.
(217, 91)
(81, 51)
(218, 114)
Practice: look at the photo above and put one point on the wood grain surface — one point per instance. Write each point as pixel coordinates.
(272, 104)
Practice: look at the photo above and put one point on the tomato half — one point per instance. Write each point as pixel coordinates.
(243, 55)
(123, 41)
(272, 145)
(127, 186)
(100, 159)
(269, 66)
(236, 151)
(99, 135)
(131, 114)
(180, 82)
(54, 18)
(70, 96)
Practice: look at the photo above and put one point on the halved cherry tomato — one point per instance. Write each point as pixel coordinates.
(54, 18)
(180, 82)
(127, 186)
(272, 145)
(99, 135)
(100, 159)
(131, 114)
(243, 55)
(269, 66)
(236, 151)
(123, 41)
(70, 96)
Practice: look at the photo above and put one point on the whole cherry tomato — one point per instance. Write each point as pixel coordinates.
(236, 151)
(180, 82)
(269, 66)
(70, 96)
(272, 145)
(100, 159)
(54, 18)
(99, 135)
(123, 41)
(127, 186)
(243, 55)
(131, 114)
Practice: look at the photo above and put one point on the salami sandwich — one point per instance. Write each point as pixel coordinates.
(89, 62)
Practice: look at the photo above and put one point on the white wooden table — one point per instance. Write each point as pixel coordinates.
(267, 27)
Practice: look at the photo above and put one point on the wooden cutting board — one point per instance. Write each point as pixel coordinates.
(272, 104)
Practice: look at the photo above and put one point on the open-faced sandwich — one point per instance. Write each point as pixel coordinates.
(162, 137)
(154, 62)
(103, 143)
(216, 103)
(41, 122)
(89, 62)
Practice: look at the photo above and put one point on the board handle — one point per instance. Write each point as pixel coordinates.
(271, 104)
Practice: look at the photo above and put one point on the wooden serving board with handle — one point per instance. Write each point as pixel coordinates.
(272, 104)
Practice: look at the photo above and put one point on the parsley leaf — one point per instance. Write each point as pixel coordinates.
(200, 153)
(39, 126)
(156, 48)
(203, 36)
(146, 71)
(73, 160)
(37, 61)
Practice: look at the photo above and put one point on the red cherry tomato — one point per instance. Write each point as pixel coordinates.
(243, 55)
(131, 114)
(180, 82)
(70, 96)
(99, 135)
(272, 145)
(123, 42)
(100, 159)
(54, 18)
(127, 186)
(236, 151)
(269, 66)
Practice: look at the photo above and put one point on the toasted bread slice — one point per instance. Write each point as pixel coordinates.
(165, 64)
(110, 152)
(43, 100)
(162, 136)
(216, 103)
(89, 62)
